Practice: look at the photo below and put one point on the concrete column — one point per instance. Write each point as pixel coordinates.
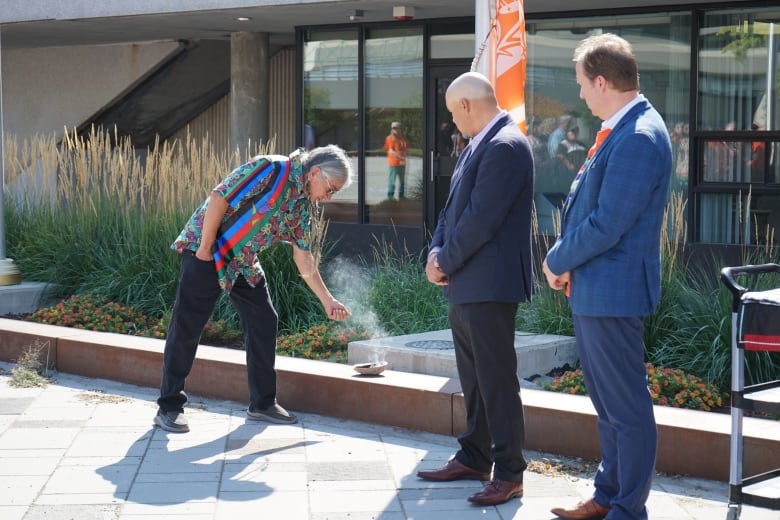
(9, 273)
(249, 90)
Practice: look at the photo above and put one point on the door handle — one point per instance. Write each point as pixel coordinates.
(431, 165)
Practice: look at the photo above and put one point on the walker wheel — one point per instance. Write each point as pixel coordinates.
(734, 512)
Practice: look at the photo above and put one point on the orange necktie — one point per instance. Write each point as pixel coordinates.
(600, 136)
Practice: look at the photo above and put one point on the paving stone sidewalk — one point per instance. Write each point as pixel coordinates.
(86, 449)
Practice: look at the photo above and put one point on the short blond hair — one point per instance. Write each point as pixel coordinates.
(610, 56)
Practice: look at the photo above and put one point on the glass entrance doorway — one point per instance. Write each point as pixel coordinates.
(444, 141)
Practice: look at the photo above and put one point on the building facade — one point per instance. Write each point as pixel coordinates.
(343, 76)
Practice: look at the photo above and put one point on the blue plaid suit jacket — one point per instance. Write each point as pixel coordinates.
(610, 229)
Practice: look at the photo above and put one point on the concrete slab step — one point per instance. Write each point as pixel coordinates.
(433, 353)
(21, 298)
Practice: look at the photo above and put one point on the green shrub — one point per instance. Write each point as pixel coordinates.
(95, 217)
(691, 329)
(400, 294)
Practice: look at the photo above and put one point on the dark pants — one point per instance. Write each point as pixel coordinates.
(197, 294)
(484, 335)
(611, 352)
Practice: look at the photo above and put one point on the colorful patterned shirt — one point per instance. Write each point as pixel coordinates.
(266, 204)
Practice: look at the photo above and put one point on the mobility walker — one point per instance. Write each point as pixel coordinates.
(755, 327)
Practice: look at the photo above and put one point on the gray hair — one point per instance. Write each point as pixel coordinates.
(332, 161)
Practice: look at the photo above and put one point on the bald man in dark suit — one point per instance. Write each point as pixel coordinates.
(481, 255)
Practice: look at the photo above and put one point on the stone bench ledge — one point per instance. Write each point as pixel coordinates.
(690, 442)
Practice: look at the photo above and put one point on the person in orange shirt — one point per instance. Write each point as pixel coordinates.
(396, 146)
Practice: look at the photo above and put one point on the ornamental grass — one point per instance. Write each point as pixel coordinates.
(94, 216)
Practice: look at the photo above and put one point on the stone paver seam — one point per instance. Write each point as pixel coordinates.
(11, 425)
(231, 415)
(398, 484)
(302, 422)
(137, 469)
(146, 454)
(64, 451)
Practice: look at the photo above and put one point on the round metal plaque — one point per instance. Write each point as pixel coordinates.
(432, 344)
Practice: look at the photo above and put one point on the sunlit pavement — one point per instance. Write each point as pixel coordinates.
(86, 449)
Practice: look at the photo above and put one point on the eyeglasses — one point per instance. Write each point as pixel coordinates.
(331, 190)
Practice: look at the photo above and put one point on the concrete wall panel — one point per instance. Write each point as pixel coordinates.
(48, 89)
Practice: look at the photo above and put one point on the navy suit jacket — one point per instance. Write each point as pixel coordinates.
(610, 229)
(484, 229)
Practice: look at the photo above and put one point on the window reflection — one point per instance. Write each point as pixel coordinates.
(738, 218)
(330, 105)
(661, 42)
(738, 94)
(734, 161)
(738, 68)
(394, 126)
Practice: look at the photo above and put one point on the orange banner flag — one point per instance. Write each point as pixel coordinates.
(509, 57)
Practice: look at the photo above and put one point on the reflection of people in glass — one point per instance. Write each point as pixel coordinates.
(680, 147)
(764, 118)
(308, 137)
(458, 143)
(558, 135)
(721, 159)
(444, 139)
(571, 153)
(397, 147)
(538, 144)
(757, 161)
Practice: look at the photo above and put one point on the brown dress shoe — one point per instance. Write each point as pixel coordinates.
(453, 470)
(587, 510)
(497, 492)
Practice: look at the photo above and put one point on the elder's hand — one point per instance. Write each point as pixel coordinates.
(337, 311)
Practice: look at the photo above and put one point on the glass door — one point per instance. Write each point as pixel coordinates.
(444, 142)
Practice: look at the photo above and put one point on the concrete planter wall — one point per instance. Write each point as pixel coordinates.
(690, 442)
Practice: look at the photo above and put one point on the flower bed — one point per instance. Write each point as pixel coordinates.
(326, 342)
(668, 387)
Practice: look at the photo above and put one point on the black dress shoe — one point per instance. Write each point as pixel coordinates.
(453, 470)
(497, 492)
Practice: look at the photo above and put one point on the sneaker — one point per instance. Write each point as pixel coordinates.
(274, 413)
(172, 421)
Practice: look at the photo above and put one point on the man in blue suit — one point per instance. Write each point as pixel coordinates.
(608, 260)
(481, 255)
